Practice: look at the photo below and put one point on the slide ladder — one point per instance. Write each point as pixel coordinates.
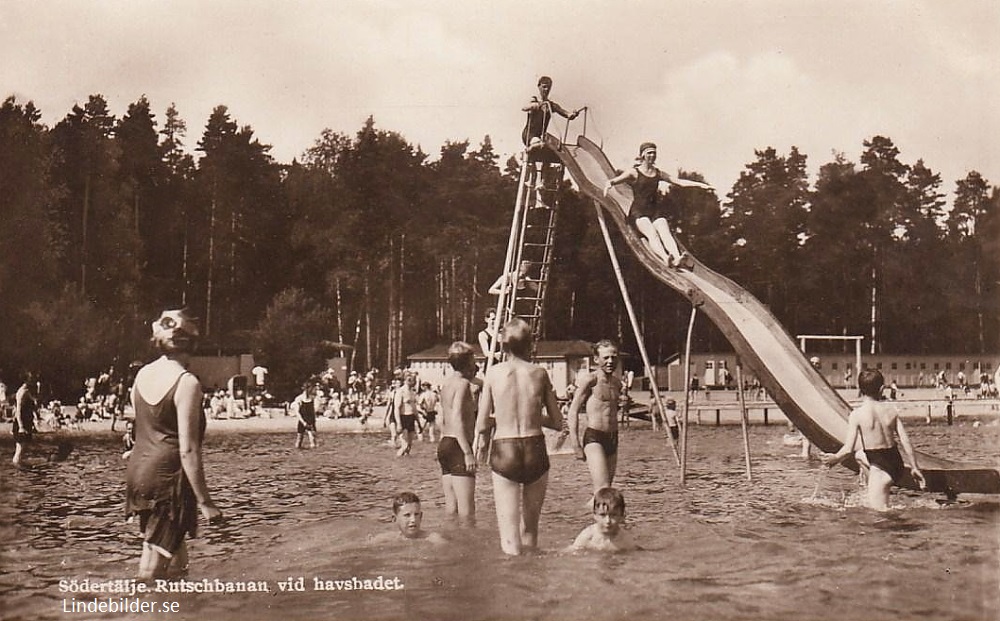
(528, 262)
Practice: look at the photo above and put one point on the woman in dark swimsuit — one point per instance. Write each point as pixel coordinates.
(646, 212)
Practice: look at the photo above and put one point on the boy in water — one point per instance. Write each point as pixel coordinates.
(606, 533)
(516, 392)
(304, 407)
(878, 426)
(454, 453)
(599, 390)
(408, 515)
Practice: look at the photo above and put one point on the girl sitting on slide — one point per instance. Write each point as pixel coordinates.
(647, 213)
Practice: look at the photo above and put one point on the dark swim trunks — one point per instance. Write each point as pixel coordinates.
(452, 459)
(887, 460)
(607, 439)
(408, 422)
(523, 460)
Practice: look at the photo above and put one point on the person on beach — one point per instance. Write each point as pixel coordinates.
(606, 534)
(304, 406)
(598, 394)
(23, 423)
(404, 410)
(458, 419)
(647, 213)
(877, 426)
(165, 478)
(515, 393)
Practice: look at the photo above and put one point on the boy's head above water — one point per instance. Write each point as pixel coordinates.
(407, 514)
(609, 510)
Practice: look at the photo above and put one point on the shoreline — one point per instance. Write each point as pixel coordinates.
(720, 408)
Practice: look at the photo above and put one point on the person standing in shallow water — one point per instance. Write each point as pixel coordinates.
(516, 392)
(165, 478)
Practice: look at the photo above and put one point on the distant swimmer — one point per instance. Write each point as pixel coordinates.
(598, 395)
(607, 533)
(458, 419)
(877, 426)
(647, 213)
(515, 393)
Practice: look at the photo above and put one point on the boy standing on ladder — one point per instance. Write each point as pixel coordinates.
(540, 110)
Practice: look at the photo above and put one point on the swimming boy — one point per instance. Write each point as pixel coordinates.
(408, 516)
(516, 392)
(606, 533)
(599, 390)
(878, 426)
(458, 418)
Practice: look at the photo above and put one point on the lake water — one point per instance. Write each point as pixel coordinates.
(791, 544)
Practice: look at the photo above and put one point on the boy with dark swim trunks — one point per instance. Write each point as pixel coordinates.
(606, 533)
(877, 427)
(458, 418)
(427, 402)
(598, 393)
(516, 392)
(404, 408)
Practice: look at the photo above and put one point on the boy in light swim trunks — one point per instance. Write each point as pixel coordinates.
(458, 418)
(877, 427)
(516, 392)
(606, 533)
(599, 390)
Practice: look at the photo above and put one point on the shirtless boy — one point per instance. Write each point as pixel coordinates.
(458, 418)
(878, 426)
(404, 409)
(598, 391)
(516, 392)
(606, 533)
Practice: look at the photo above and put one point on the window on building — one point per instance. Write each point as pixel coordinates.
(908, 366)
(878, 365)
(834, 366)
(947, 365)
(893, 366)
(923, 365)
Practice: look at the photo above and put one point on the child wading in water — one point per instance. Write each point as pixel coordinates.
(877, 427)
(606, 533)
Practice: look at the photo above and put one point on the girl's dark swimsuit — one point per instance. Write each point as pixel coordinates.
(887, 460)
(647, 197)
(523, 460)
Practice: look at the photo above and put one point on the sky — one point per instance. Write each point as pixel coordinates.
(709, 81)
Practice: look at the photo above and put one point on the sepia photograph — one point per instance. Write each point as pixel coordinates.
(393, 310)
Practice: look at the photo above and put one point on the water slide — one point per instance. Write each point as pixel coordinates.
(762, 344)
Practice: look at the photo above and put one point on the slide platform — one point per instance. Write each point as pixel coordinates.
(759, 339)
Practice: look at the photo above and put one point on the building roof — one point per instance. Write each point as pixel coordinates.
(543, 350)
